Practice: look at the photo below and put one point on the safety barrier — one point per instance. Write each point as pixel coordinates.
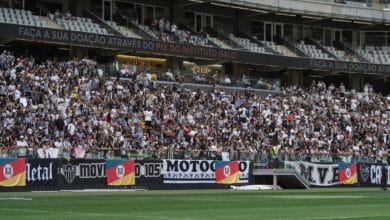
(58, 174)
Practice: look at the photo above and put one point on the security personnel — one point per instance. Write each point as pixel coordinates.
(275, 153)
(115, 67)
(384, 177)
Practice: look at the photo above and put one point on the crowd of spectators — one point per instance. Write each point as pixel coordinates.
(163, 29)
(67, 108)
(66, 16)
(166, 31)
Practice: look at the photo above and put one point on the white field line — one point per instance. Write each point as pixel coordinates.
(92, 190)
(163, 218)
(15, 198)
(337, 217)
(311, 218)
(89, 214)
(314, 197)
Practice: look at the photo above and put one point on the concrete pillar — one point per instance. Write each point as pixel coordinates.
(295, 77)
(275, 182)
(175, 63)
(65, 6)
(171, 10)
(356, 81)
(356, 37)
(75, 7)
(78, 52)
(236, 70)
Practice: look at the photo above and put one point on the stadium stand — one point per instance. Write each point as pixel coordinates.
(70, 107)
(339, 54)
(245, 43)
(22, 17)
(275, 47)
(123, 30)
(213, 101)
(375, 55)
(357, 3)
(81, 24)
(312, 51)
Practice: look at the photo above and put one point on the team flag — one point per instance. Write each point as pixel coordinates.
(348, 173)
(12, 172)
(227, 172)
(120, 172)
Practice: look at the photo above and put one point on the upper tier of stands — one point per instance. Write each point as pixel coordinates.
(312, 51)
(174, 35)
(123, 30)
(247, 44)
(21, 17)
(338, 53)
(82, 24)
(357, 3)
(375, 54)
(353, 3)
(187, 36)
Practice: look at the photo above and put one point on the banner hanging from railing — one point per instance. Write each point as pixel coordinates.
(373, 174)
(41, 172)
(80, 172)
(348, 173)
(227, 172)
(120, 172)
(12, 172)
(148, 172)
(200, 171)
(316, 174)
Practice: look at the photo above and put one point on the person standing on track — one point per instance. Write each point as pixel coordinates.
(384, 177)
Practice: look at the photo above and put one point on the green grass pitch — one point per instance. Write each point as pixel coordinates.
(316, 204)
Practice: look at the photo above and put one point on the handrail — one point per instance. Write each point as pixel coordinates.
(193, 32)
(138, 30)
(42, 8)
(302, 179)
(323, 48)
(221, 34)
(352, 47)
(253, 83)
(254, 156)
(314, 8)
(259, 43)
(293, 47)
(101, 21)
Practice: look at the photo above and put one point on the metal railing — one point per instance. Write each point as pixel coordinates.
(260, 83)
(262, 157)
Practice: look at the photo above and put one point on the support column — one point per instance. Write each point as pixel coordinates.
(78, 52)
(171, 10)
(275, 182)
(236, 70)
(356, 81)
(295, 77)
(65, 6)
(175, 64)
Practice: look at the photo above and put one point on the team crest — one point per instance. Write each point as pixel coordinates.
(8, 171)
(120, 171)
(364, 172)
(226, 171)
(348, 173)
(69, 172)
